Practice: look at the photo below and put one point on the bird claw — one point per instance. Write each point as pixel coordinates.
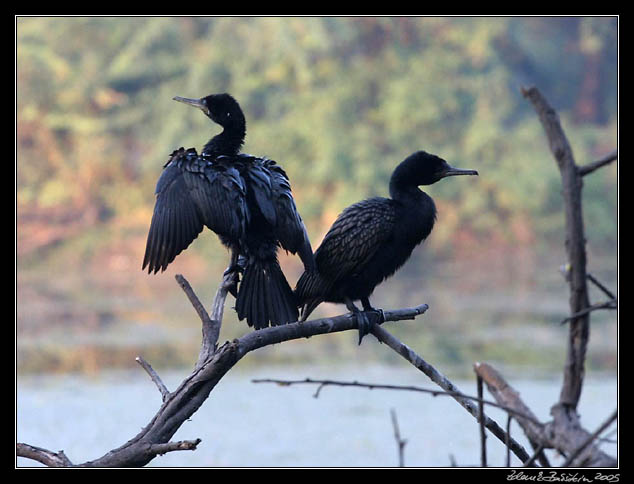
(231, 278)
(367, 319)
(236, 268)
(364, 325)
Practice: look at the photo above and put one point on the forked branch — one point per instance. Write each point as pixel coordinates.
(213, 363)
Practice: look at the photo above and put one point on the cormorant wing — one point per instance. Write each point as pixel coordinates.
(290, 229)
(193, 192)
(259, 180)
(357, 234)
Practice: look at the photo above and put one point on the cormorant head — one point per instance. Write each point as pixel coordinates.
(423, 168)
(222, 109)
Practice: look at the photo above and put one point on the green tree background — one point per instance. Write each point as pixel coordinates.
(337, 101)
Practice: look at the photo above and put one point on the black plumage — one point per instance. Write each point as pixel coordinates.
(372, 239)
(246, 200)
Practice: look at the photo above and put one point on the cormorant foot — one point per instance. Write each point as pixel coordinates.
(236, 267)
(365, 324)
(232, 275)
(379, 314)
(367, 319)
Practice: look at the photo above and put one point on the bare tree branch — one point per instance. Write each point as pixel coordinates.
(601, 286)
(591, 438)
(517, 449)
(442, 381)
(562, 433)
(154, 376)
(46, 457)
(400, 442)
(181, 404)
(210, 326)
(483, 435)
(595, 165)
(539, 451)
(160, 449)
(579, 329)
(509, 419)
(604, 305)
(381, 386)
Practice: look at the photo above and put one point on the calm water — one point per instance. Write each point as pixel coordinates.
(244, 424)
(498, 310)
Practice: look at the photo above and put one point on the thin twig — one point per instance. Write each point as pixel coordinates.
(191, 295)
(400, 443)
(561, 433)
(538, 451)
(210, 326)
(483, 436)
(601, 286)
(604, 305)
(595, 165)
(460, 397)
(154, 376)
(380, 386)
(509, 419)
(406, 352)
(590, 439)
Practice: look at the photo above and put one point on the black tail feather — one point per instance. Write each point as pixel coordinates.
(309, 292)
(264, 296)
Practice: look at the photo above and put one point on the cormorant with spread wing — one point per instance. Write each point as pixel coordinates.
(246, 200)
(372, 239)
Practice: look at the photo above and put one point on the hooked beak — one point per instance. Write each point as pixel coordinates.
(451, 171)
(193, 102)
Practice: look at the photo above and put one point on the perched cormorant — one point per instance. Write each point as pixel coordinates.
(372, 239)
(246, 200)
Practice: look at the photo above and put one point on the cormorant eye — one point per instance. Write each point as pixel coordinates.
(228, 115)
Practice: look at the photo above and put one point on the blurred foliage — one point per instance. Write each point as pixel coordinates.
(337, 101)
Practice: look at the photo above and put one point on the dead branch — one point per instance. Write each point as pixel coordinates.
(601, 286)
(483, 435)
(154, 376)
(591, 438)
(460, 397)
(46, 457)
(595, 165)
(563, 434)
(400, 442)
(213, 364)
(382, 386)
(403, 350)
(611, 304)
(579, 331)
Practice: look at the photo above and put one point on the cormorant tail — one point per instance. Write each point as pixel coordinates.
(308, 292)
(264, 296)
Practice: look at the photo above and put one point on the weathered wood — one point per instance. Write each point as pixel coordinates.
(572, 184)
(563, 433)
(183, 402)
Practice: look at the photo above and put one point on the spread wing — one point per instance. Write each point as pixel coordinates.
(290, 228)
(357, 234)
(259, 180)
(191, 193)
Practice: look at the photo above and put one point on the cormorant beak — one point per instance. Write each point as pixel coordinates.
(199, 103)
(451, 171)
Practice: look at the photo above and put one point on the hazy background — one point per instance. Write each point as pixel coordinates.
(338, 102)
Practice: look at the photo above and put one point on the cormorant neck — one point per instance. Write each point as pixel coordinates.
(402, 184)
(228, 142)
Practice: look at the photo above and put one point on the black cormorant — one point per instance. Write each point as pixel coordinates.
(372, 239)
(246, 200)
